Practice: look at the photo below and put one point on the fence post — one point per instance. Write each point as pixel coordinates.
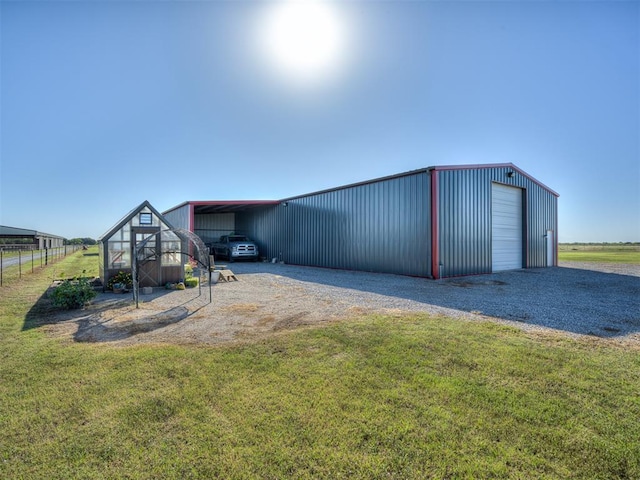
(1, 255)
(19, 263)
(32, 260)
(46, 256)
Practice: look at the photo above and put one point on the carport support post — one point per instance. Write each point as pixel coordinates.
(209, 268)
(134, 276)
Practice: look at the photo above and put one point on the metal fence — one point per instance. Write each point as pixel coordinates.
(15, 263)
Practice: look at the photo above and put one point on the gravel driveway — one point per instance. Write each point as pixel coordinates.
(579, 299)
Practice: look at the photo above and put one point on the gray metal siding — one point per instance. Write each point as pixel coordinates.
(541, 215)
(464, 222)
(380, 226)
(179, 217)
(210, 227)
(464, 219)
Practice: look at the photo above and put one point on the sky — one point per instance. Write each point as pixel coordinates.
(105, 104)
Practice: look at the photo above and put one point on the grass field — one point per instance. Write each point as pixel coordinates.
(600, 253)
(382, 397)
(32, 261)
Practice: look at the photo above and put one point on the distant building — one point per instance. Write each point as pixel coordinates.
(435, 222)
(29, 239)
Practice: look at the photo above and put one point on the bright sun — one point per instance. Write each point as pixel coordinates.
(304, 39)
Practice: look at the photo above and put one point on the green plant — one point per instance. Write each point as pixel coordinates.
(191, 282)
(72, 294)
(188, 270)
(120, 277)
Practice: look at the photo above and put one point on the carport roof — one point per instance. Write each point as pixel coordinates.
(225, 206)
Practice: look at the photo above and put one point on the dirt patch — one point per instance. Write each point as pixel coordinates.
(271, 298)
(117, 324)
(475, 283)
(246, 308)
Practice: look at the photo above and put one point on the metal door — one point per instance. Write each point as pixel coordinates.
(506, 227)
(550, 243)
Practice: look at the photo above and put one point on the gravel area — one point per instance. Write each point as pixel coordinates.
(602, 301)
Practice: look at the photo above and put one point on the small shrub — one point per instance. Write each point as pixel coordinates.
(120, 277)
(191, 282)
(188, 270)
(72, 294)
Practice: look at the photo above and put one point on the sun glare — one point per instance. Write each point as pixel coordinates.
(304, 39)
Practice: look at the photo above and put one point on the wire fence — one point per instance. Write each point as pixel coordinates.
(16, 263)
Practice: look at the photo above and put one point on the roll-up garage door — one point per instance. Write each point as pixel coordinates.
(506, 227)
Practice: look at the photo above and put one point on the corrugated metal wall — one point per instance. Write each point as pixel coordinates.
(179, 217)
(209, 227)
(381, 226)
(464, 218)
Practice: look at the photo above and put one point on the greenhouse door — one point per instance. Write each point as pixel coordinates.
(506, 227)
(148, 257)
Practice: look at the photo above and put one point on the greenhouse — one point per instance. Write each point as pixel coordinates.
(145, 233)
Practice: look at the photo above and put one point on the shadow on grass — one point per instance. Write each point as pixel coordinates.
(111, 317)
(105, 328)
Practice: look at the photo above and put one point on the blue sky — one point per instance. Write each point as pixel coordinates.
(105, 104)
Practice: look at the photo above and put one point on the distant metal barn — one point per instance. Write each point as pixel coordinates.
(435, 222)
(30, 239)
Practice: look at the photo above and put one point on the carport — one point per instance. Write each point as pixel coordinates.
(212, 219)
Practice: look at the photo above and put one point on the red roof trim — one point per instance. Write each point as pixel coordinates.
(234, 202)
(366, 182)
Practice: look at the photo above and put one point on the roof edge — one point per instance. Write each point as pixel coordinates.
(358, 184)
(130, 215)
(29, 232)
(367, 182)
(494, 165)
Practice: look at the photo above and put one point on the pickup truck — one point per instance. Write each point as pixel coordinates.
(235, 247)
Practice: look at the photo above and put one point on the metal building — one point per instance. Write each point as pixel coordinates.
(28, 239)
(435, 222)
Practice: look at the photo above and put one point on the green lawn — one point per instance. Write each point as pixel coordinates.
(600, 253)
(382, 397)
(31, 263)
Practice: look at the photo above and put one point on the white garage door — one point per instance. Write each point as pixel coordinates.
(506, 227)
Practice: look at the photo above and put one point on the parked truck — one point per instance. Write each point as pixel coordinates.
(235, 247)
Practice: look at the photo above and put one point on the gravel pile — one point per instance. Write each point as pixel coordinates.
(578, 299)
